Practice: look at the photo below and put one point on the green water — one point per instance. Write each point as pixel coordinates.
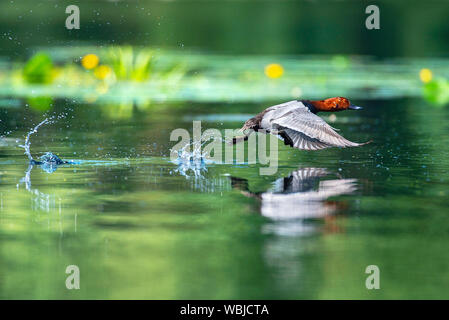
(137, 228)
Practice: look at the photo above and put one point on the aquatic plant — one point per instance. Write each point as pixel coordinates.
(129, 64)
(274, 71)
(90, 61)
(425, 75)
(102, 72)
(437, 92)
(40, 103)
(139, 78)
(38, 69)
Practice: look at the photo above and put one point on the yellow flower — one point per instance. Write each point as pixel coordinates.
(90, 61)
(102, 71)
(425, 75)
(274, 71)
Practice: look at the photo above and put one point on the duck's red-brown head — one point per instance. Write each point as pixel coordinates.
(334, 104)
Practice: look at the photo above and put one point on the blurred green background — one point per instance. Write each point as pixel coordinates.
(220, 50)
(408, 28)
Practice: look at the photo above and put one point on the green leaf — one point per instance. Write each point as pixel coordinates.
(437, 92)
(38, 69)
(40, 104)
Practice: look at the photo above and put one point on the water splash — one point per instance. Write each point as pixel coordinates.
(27, 143)
(192, 158)
(47, 161)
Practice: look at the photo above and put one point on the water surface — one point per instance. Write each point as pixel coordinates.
(138, 227)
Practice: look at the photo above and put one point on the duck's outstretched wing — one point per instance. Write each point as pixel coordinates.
(304, 130)
(301, 141)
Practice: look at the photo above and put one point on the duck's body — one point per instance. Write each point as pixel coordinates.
(298, 125)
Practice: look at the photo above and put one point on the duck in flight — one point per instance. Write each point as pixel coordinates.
(298, 125)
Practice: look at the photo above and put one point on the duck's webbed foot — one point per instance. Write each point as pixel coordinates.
(287, 140)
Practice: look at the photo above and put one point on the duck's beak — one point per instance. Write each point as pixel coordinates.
(353, 107)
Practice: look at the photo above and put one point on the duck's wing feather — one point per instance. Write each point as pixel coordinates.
(301, 141)
(303, 129)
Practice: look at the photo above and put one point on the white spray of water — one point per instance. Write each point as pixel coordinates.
(192, 158)
(191, 154)
(27, 144)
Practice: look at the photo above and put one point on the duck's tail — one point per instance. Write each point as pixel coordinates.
(363, 143)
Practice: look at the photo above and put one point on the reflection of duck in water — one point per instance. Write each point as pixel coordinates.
(299, 196)
(40, 200)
